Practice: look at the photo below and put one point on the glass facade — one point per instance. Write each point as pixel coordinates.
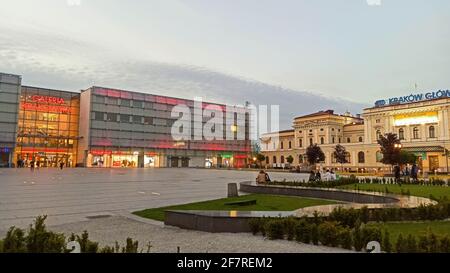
(48, 127)
(9, 104)
(124, 127)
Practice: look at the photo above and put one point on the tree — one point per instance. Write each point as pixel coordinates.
(391, 154)
(340, 154)
(260, 158)
(314, 154)
(407, 157)
(290, 159)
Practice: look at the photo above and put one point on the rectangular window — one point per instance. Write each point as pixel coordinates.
(112, 101)
(125, 102)
(111, 117)
(124, 118)
(138, 104)
(99, 99)
(148, 105)
(148, 120)
(99, 116)
(137, 119)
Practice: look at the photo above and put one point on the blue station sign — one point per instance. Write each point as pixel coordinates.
(414, 98)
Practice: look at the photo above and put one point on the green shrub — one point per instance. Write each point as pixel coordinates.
(15, 241)
(256, 225)
(315, 234)
(39, 240)
(345, 238)
(445, 244)
(329, 233)
(289, 226)
(386, 245)
(358, 242)
(131, 246)
(274, 229)
(370, 234)
(411, 244)
(303, 231)
(400, 245)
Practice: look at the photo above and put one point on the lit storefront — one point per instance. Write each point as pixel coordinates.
(48, 127)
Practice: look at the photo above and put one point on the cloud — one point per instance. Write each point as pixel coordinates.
(55, 61)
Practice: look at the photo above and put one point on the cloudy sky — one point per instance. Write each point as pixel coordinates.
(305, 55)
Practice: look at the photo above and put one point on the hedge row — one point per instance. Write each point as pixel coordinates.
(361, 180)
(39, 240)
(332, 233)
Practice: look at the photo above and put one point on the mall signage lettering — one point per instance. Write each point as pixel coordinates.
(414, 98)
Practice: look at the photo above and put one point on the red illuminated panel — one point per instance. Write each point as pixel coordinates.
(113, 93)
(240, 156)
(100, 152)
(101, 91)
(47, 99)
(45, 108)
(213, 106)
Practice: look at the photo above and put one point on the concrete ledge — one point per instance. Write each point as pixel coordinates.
(321, 193)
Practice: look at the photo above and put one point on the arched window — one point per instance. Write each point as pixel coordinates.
(282, 159)
(416, 133)
(290, 145)
(401, 134)
(360, 139)
(431, 132)
(378, 134)
(349, 140)
(347, 157)
(267, 160)
(310, 141)
(332, 140)
(379, 156)
(300, 143)
(274, 159)
(282, 145)
(361, 157)
(322, 140)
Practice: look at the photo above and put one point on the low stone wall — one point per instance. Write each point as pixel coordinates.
(330, 194)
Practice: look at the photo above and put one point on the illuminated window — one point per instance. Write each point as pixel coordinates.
(431, 132)
(416, 133)
(401, 134)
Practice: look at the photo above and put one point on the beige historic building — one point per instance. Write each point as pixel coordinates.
(422, 126)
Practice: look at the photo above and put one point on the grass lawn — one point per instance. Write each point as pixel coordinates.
(264, 202)
(415, 190)
(414, 228)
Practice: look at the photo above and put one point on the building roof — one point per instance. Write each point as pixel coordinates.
(320, 113)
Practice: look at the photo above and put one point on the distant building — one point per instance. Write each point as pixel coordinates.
(105, 127)
(422, 126)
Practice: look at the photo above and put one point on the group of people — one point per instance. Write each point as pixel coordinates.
(413, 173)
(34, 164)
(329, 175)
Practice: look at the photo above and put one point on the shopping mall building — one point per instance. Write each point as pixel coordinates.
(420, 121)
(104, 127)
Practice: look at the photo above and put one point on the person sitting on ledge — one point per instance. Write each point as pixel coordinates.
(262, 177)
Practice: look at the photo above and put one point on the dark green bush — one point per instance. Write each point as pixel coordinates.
(315, 234)
(329, 233)
(386, 245)
(256, 225)
(15, 241)
(86, 245)
(274, 229)
(370, 234)
(303, 231)
(400, 245)
(411, 244)
(345, 238)
(358, 242)
(290, 224)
